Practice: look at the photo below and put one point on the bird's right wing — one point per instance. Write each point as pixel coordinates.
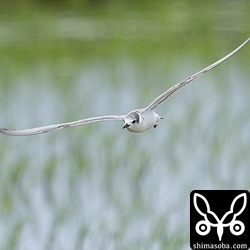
(45, 129)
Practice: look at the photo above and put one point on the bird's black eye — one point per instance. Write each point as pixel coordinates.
(134, 121)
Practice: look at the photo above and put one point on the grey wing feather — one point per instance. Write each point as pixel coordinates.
(161, 98)
(45, 129)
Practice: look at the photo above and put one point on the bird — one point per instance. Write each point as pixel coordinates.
(138, 120)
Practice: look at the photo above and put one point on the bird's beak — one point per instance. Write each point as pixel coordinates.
(126, 125)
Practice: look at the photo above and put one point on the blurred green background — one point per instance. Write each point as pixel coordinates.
(98, 186)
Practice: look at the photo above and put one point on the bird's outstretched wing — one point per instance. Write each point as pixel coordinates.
(45, 129)
(163, 97)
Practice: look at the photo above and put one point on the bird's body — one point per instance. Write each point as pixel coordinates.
(138, 120)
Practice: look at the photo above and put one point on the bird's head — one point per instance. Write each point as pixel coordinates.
(132, 120)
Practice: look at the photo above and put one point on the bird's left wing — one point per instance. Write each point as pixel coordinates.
(45, 129)
(163, 97)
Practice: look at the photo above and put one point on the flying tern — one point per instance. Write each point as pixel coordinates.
(138, 120)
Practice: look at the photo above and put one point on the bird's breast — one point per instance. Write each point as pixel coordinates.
(147, 121)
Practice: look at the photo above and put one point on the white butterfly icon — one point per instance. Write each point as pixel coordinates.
(236, 227)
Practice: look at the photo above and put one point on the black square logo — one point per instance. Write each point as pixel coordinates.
(220, 219)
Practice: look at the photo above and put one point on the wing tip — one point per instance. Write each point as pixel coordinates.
(16, 132)
(6, 131)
